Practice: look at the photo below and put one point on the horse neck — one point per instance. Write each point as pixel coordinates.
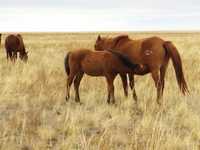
(22, 51)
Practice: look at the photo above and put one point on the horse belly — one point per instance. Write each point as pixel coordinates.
(92, 69)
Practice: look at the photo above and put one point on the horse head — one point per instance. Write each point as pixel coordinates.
(24, 56)
(99, 45)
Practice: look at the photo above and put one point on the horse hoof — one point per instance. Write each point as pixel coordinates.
(78, 102)
(113, 102)
(135, 97)
(126, 94)
(67, 98)
(159, 104)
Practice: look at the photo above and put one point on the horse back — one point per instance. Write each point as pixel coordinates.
(145, 51)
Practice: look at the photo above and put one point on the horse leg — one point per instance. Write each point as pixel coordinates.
(9, 55)
(131, 78)
(15, 55)
(76, 86)
(132, 85)
(156, 78)
(125, 85)
(69, 82)
(108, 98)
(162, 77)
(111, 98)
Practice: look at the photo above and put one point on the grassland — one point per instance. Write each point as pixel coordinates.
(35, 116)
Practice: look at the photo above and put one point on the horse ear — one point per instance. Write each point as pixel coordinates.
(119, 38)
(98, 38)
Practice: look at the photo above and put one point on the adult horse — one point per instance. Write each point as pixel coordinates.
(152, 53)
(14, 44)
(93, 63)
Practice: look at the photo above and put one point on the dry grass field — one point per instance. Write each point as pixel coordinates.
(35, 116)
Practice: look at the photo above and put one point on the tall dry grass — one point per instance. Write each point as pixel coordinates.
(34, 114)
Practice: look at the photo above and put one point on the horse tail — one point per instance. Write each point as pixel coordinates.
(125, 60)
(177, 63)
(66, 63)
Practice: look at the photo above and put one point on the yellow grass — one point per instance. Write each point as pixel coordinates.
(34, 114)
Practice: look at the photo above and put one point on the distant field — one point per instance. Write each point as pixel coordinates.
(35, 116)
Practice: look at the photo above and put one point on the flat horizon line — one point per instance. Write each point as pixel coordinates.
(114, 31)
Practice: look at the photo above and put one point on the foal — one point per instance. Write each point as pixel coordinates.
(95, 63)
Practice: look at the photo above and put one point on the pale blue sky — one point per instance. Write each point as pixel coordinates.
(101, 15)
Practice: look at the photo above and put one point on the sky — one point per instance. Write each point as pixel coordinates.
(101, 15)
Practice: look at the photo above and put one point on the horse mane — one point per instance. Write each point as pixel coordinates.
(119, 38)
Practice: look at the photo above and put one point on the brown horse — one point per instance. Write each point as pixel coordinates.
(13, 44)
(0, 39)
(153, 53)
(93, 63)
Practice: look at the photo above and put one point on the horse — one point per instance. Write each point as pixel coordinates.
(153, 53)
(95, 63)
(13, 44)
(0, 38)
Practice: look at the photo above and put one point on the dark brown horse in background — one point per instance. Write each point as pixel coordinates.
(96, 63)
(14, 44)
(152, 53)
(0, 39)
